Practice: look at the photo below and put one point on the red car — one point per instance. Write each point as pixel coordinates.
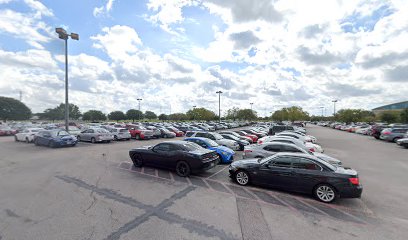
(7, 131)
(176, 131)
(253, 137)
(139, 132)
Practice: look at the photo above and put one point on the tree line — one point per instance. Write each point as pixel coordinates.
(12, 109)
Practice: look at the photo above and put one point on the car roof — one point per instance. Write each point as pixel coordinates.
(296, 155)
(199, 138)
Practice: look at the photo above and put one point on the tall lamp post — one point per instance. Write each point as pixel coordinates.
(62, 34)
(194, 112)
(334, 107)
(219, 105)
(251, 105)
(139, 99)
(322, 110)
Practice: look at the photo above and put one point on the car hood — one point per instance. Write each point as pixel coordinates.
(224, 149)
(253, 162)
(328, 159)
(225, 141)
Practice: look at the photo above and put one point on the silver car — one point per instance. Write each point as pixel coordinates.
(270, 148)
(120, 134)
(218, 139)
(95, 135)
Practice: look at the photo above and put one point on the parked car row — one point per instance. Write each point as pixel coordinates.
(397, 133)
(290, 159)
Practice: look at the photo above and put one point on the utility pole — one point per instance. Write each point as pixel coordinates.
(21, 96)
(219, 105)
(194, 112)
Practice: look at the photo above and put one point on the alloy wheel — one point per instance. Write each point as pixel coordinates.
(325, 193)
(242, 178)
(183, 169)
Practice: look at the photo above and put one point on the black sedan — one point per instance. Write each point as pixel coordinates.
(184, 157)
(298, 172)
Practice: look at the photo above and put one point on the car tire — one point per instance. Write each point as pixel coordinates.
(325, 193)
(35, 142)
(93, 140)
(15, 138)
(396, 139)
(115, 138)
(183, 169)
(51, 144)
(27, 141)
(220, 157)
(137, 160)
(108, 141)
(242, 177)
(78, 138)
(137, 137)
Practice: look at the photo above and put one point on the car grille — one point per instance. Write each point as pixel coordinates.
(209, 157)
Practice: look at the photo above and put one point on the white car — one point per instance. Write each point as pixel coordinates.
(120, 133)
(218, 139)
(27, 135)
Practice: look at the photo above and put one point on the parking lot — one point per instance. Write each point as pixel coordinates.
(92, 191)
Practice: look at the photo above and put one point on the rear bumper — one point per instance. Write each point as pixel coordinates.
(351, 192)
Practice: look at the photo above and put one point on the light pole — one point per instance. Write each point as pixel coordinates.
(322, 110)
(219, 105)
(194, 112)
(139, 99)
(251, 105)
(334, 107)
(62, 34)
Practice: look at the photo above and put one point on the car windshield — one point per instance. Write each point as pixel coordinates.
(212, 143)
(190, 146)
(123, 130)
(35, 130)
(101, 130)
(60, 133)
(217, 136)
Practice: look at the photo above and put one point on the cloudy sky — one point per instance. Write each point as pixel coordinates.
(177, 54)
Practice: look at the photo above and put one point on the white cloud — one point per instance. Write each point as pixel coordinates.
(103, 10)
(41, 9)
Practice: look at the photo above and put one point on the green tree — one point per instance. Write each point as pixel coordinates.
(232, 113)
(150, 115)
(93, 115)
(163, 117)
(134, 114)
(116, 115)
(178, 117)
(12, 109)
(58, 113)
(389, 117)
(296, 114)
(404, 115)
(246, 114)
(201, 114)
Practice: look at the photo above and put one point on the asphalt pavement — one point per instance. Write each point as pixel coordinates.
(92, 191)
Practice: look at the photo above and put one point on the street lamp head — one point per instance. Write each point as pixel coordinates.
(219, 92)
(139, 99)
(75, 36)
(194, 106)
(60, 31)
(335, 100)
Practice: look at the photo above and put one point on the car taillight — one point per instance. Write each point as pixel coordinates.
(354, 181)
(260, 142)
(386, 133)
(247, 151)
(312, 149)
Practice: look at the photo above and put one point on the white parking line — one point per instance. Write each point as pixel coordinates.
(217, 172)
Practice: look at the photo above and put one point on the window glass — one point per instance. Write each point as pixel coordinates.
(190, 146)
(272, 148)
(283, 161)
(123, 130)
(189, 134)
(215, 136)
(162, 147)
(90, 131)
(290, 149)
(303, 163)
(200, 134)
(212, 143)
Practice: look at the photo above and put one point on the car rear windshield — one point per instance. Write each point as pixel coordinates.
(123, 130)
(217, 136)
(189, 146)
(60, 133)
(212, 143)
